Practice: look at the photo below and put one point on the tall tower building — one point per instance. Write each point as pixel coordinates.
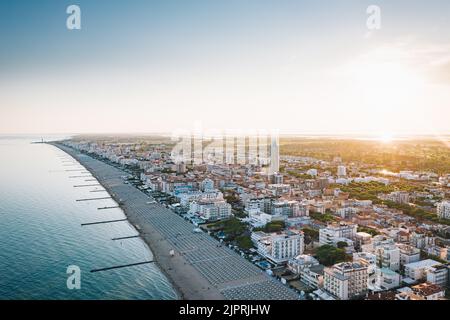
(341, 171)
(274, 155)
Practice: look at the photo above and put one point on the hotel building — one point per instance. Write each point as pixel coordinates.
(346, 280)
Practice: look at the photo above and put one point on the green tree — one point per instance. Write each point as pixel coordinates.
(232, 227)
(322, 217)
(329, 255)
(273, 226)
(342, 244)
(310, 235)
(368, 230)
(244, 242)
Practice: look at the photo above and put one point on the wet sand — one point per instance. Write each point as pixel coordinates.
(186, 280)
(201, 267)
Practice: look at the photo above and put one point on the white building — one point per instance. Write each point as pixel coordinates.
(366, 258)
(258, 218)
(277, 178)
(210, 209)
(187, 197)
(362, 238)
(274, 155)
(312, 276)
(343, 181)
(388, 256)
(347, 212)
(290, 208)
(181, 167)
(207, 185)
(341, 171)
(334, 233)
(301, 261)
(387, 279)
(263, 204)
(421, 240)
(279, 247)
(417, 270)
(443, 210)
(408, 254)
(279, 189)
(437, 251)
(318, 207)
(346, 280)
(437, 275)
(370, 260)
(377, 240)
(396, 196)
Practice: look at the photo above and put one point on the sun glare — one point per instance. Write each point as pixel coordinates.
(388, 86)
(386, 137)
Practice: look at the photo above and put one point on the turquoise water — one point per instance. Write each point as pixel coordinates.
(41, 232)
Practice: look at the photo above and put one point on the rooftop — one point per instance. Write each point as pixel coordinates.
(422, 264)
(427, 289)
(386, 295)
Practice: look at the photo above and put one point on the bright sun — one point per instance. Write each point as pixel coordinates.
(386, 137)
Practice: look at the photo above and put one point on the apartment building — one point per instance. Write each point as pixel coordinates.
(408, 254)
(300, 262)
(421, 240)
(443, 210)
(398, 197)
(263, 204)
(346, 280)
(387, 279)
(388, 256)
(417, 270)
(313, 276)
(279, 247)
(346, 212)
(210, 209)
(333, 233)
(341, 171)
(437, 275)
(187, 197)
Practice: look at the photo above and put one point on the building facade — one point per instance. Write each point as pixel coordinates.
(346, 280)
(279, 247)
(443, 210)
(336, 232)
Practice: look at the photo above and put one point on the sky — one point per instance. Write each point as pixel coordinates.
(308, 67)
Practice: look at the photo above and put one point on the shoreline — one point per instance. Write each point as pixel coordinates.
(151, 239)
(175, 287)
(200, 268)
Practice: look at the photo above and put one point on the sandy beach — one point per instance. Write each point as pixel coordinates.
(201, 269)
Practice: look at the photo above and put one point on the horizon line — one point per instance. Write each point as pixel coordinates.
(281, 134)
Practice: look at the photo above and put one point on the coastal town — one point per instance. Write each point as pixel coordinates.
(224, 159)
(326, 227)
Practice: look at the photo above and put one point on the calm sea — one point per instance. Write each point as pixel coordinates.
(41, 233)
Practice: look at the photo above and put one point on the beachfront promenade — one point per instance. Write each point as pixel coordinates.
(201, 268)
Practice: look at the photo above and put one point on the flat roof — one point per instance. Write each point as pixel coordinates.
(422, 263)
(388, 271)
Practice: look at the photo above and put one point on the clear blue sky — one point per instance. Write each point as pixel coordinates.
(227, 64)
